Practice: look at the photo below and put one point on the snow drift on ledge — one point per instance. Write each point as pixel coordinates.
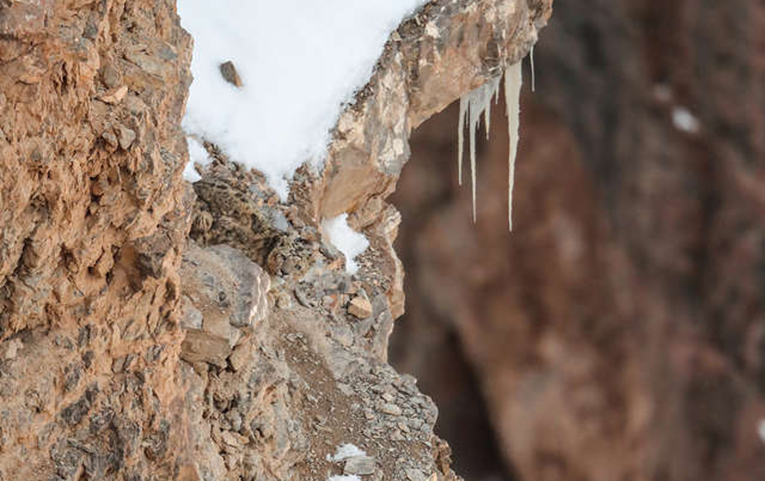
(299, 61)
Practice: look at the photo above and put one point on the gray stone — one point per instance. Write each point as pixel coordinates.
(359, 465)
(191, 318)
(227, 289)
(253, 286)
(201, 346)
(110, 138)
(390, 408)
(126, 137)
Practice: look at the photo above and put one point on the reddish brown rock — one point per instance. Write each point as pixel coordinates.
(618, 332)
(90, 240)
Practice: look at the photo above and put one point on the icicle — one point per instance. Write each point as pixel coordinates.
(513, 81)
(472, 106)
(533, 75)
(461, 137)
(493, 93)
(475, 117)
(477, 103)
(487, 118)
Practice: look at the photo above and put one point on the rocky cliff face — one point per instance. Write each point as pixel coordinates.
(618, 333)
(129, 351)
(93, 222)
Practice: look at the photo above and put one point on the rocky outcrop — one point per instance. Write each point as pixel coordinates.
(618, 332)
(129, 352)
(432, 59)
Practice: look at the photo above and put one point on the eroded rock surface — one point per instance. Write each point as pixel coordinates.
(249, 354)
(310, 376)
(93, 218)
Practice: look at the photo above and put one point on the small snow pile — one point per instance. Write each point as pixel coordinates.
(197, 155)
(761, 429)
(299, 62)
(351, 477)
(347, 241)
(684, 120)
(345, 451)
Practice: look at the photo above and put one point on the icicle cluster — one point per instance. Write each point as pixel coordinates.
(478, 102)
(472, 105)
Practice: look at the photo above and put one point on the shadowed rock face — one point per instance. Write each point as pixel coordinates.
(619, 332)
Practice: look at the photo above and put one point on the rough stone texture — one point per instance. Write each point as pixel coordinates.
(121, 362)
(93, 217)
(441, 53)
(619, 332)
(311, 376)
(444, 51)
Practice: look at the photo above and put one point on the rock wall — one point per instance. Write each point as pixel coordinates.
(92, 224)
(129, 351)
(618, 333)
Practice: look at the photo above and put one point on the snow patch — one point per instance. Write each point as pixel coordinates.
(299, 62)
(351, 244)
(684, 120)
(197, 155)
(351, 477)
(345, 451)
(280, 221)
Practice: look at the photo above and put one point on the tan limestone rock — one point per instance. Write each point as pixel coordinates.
(360, 307)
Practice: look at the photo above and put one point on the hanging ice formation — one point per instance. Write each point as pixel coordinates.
(513, 81)
(472, 105)
(478, 102)
(533, 75)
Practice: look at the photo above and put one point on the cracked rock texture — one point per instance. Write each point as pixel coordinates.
(619, 333)
(93, 218)
(152, 331)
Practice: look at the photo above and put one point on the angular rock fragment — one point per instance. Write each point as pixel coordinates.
(229, 73)
(360, 307)
(390, 408)
(359, 465)
(126, 137)
(191, 318)
(115, 96)
(225, 286)
(200, 346)
(110, 138)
